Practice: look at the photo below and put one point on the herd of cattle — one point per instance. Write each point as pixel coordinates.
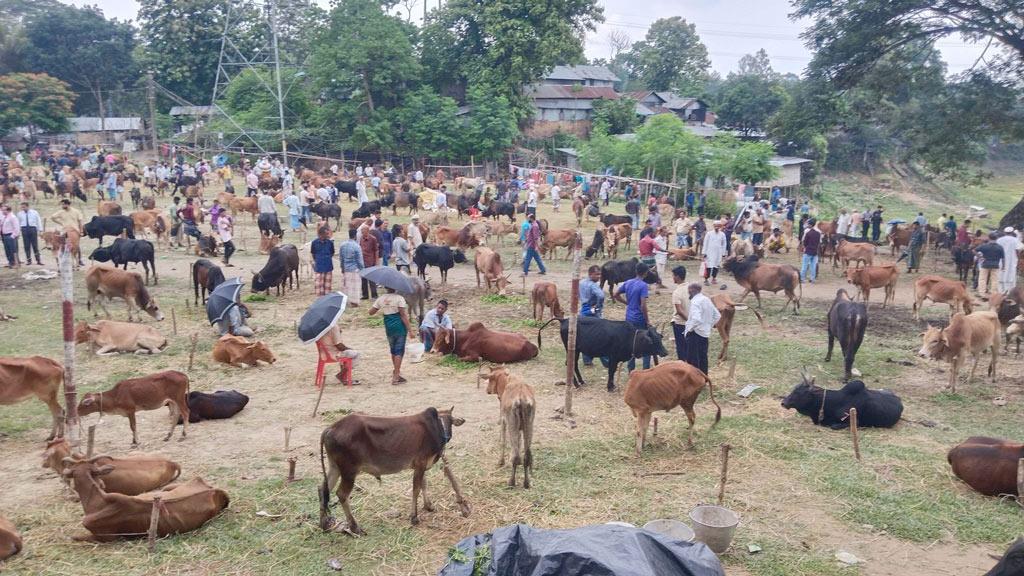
(117, 494)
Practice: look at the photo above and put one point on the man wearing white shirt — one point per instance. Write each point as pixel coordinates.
(843, 223)
(324, 194)
(556, 196)
(361, 192)
(531, 202)
(359, 171)
(266, 204)
(701, 319)
(31, 224)
(1011, 247)
(415, 236)
(442, 198)
(418, 176)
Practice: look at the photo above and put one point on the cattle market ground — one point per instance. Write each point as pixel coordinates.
(801, 495)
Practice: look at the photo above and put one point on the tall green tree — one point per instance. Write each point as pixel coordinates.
(745, 100)
(428, 124)
(667, 148)
(492, 124)
(670, 57)
(84, 49)
(38, 101)
(13, 47)
(616, 116)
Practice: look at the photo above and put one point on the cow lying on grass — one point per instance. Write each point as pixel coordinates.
(875, 408)
(478, 342)
(10, 540)
(664, 387)
(988, 465)
(131, 475)
(517, 410)
(108, 338)
(238, 351)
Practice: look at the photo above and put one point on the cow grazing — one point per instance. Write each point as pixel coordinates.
(109, 337)
(10, 540)
(101, 226)
(109, 516)
(545, 295)
(941, 291)
(664, 387)
(755, 276)
(971, 334)
(124, 250)
(616, 340)
(488, 262)
(517, 410)
(988, 465)
(152, 392)
(238, 351)
(875, 408)
(381, 445)
(219, 405)
(856, 252)
(846, 322)
(23, 377)
(596, 245)
(1012, 562)
(109, 283)
(480, 343)
(617, 271)
(443, 257)
(727, 308)
(1008, 307)
(416, 301)
(205, 277)
(870, 277)
(131, 475)
(282, 263)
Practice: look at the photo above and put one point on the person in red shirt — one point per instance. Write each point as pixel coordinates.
(371, 249)
(646, 248)
(963, 234)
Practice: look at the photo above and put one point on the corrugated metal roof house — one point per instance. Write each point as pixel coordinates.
(562, 108)
(688, 108)
(93, 124)
(581, 75)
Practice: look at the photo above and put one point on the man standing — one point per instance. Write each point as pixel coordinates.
(920, 220)
(963, 233)
(252, 183)
(67, 217)
(758, 227)
(532, 244)
(681, 304)
(917, 238)
(433, 320)
(370, 247)
(400, 249)
(30, 224)
(556, 197)
(633, 209)
(591, 302)
(226, 229)
(713, 249)
(531, 201)
(415, 236)
(702, 317)
(294, 211)
(950, 229)
(9, 232)
(811, 242)
(1007, 276)
(876, 224)
(351, 257)
(843, 224)
(606, 191)
(991, 262)
(633, 293)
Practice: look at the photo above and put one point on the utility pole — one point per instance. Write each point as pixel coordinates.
(272, 8)
(151, 98)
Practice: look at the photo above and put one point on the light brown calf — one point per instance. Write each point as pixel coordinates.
(870, 277)
(152, 392)
(545, 295)
(107, 337)
(238, 351)
(857, 252)
(664, 387)
(971, 334)
(109, 283)
(941, 291)
(488, 262)
(21, 378)
(728, 309)
(132, 475)
(517, 411)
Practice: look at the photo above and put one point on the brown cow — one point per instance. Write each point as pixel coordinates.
(480, 343)
(109, 283)
(238, 351)
(247, 204)
(870, 277)
(500, 230)
(755, 276)
(971, 334)
(381, 445)
(72, 238)
(466, 237)
(555, 239)
(22, 377)
(1008, 307)
(941, 291)
(108, 337)
(106, 208)
(545, 295)
(110, 516)
(858, 252)
(132, 475)
(899, 238)
(489, 262)
(727, 308)
(152, 392)
(10, 540)
(988, 465)
(623, 232)
(682, 254)
(670, 384)
(517, 410)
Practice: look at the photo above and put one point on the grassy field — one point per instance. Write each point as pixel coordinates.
(800, 493)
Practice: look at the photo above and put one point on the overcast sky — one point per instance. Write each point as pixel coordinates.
(729, 28)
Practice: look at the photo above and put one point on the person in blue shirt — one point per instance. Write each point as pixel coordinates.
(702, 201)
(691, 199)
(322, 251)
(633, 293)
(592, 303)
(776, 194)
(351, 257)
(433, 320)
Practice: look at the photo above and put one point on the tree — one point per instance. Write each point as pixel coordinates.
(34, 100)
(670, 57)
(492, 124)
(757, 64)
(250, 103)
(84, 49)
(428, 124)
(667, 148)
(746, 100)
(13, 46)
(616, 116)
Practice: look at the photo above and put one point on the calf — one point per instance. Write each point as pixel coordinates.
(1008, 307)
(616, 271)
(517, 410)
(238, 351)
(727, 308)
(56, 241)
(281, 265)
(23, 377)
(477, 343)
(870, 277)
(150, 392)
(941, 291)
(381, 445)
(1012, 562)
(10, 540)
(555, 239)
(123, 251)
(971, 334)
(109, 516)
(545, 295)
(101, 226)
(664, 387)
(846, 321)
(489, 262)
(205, 277)
(875, 408)
(443, 257)
(220, 405)
(416, 301)
(109, 283)
(988, 465)
(857, 252)
(132, 475)
(755, 276)
(596, 245)
(500, 230)
(108, 337)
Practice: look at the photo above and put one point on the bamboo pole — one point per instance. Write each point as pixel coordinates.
(91, 442)
(192, 349)
(725, 472)
(174, 320)
(1020, 480)
(853, 432)
(287, 437)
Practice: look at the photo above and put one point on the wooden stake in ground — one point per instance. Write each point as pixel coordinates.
(287, 437)
(192, 350)
(174, 320)
(1020, 480)
(154, 522)
(853, 431)
(291, 468)
(725, 473)
(67, 290)
(90, 443)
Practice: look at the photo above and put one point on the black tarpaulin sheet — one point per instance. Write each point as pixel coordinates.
(602, 550)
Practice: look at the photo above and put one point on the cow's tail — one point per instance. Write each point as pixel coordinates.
(325, 490)
(541, 329)
(711, 394)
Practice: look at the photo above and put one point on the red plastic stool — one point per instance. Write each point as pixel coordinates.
(326, 356)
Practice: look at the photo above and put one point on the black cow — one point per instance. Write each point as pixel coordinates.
(327, 211)
(367, 209)
(1012, 563)
(186, 181)
(101, 226)
(123, 251)
(206, 245)
(217, 406)
(846, 321)
(612, 219)
(269, 225)
(616, 271)
(875, 408)
(963, 258)
(496, 209)
(464, 203)
(597, 245)
(281, 263)
(443, 257)
(347, 187)
(593, 210)
(205, 276)
(614, 339)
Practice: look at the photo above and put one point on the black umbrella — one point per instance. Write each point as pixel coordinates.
(321, 316)
(389, 278)
(222, 298)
